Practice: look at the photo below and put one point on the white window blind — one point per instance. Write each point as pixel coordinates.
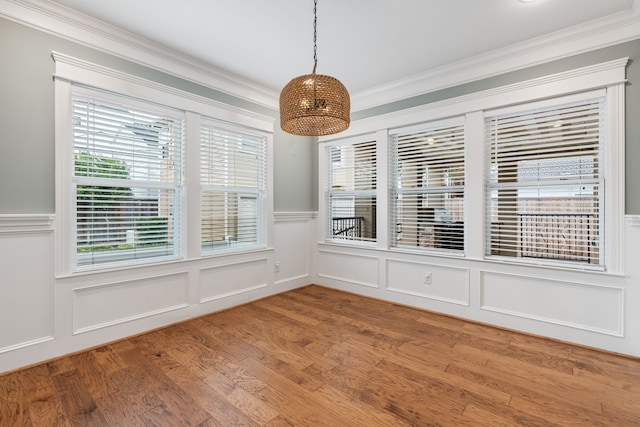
(232, 177)
(352, 191)
(427, 181)
(127, 179)
(545, 183)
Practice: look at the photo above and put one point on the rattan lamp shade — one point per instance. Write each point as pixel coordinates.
(314, 105)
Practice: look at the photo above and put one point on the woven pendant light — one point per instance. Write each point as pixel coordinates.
(314, 104)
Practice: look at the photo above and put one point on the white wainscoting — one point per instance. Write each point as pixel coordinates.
(292, 247)
(578, 305)
(26, 281)
(44, 317)
(223, 281)
(100, 306)
(358, 270)
(591, 308)
(433, 281)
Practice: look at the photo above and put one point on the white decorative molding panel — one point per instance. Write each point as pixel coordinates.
(356, 269)
(235, 278)
(99, 306)
(589, 307)
(438, 282)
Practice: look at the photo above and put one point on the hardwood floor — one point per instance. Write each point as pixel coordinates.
(319, 357)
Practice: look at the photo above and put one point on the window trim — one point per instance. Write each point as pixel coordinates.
(548, 105)
(327, 163)
(72, 71)
(609, 76)
(120, 257)
(261, 194)
(458, 121)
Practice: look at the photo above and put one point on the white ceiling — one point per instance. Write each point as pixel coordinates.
(364, 43)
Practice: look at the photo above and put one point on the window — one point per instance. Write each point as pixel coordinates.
(232, 177)
(155, 175)
(545, 182)
(352, 191)
(530, 173)
(427, 179)
(127, 179)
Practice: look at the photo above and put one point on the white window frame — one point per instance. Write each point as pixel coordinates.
(550, 104)
(259, 192)
(609, 76)
(396, 191)
(176, 186)
(326, 191)
(72, 71)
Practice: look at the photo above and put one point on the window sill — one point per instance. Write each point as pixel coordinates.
(549, 266)
(160, 263)
(105, 269)
(345, 243)
(232, 252)
(489, 261)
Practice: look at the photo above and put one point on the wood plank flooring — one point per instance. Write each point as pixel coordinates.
(320, 357)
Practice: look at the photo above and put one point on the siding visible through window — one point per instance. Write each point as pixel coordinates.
(545, 184)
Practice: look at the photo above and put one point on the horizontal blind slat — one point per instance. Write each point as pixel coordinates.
(544, 185)
(351, 195)
(428, 173)
(127, 179)
(233, 186)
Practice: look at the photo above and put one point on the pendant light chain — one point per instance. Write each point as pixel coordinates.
(314, 104)
(315, 35)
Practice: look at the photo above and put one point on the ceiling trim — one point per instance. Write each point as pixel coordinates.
(79, 28)
(589, 78)
(74, 26)
(596, 34)
(84, 72)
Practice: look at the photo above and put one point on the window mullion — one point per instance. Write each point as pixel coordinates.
(192, 181)
(475, 210)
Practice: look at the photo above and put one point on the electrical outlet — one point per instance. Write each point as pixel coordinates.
(427, 278)
(276, 266)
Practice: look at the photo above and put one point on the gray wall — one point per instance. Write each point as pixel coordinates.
(295, 172)
(27, 124)
(27, 119)
(630, 49)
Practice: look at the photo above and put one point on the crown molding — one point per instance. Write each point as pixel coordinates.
(79, 28)
(72, 25)
(596, 34)
(84, 72)
(589, 78)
